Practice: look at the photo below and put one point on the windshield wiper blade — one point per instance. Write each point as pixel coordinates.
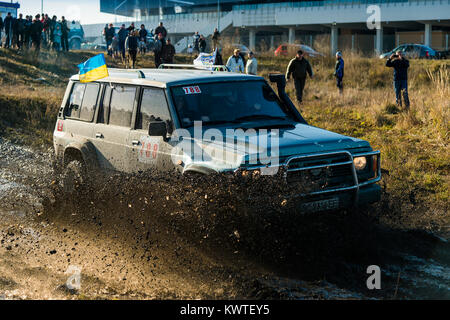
(261, 117)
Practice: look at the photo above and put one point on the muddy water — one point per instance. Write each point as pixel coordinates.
(154, 235)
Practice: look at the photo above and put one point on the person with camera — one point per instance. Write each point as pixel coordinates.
(400, 65)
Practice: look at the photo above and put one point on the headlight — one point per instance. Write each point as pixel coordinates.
(360, 163)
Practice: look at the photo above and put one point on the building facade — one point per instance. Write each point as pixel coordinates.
(6, 7)
(370, 26)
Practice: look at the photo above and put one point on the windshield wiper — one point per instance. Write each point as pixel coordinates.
(213, 122)
(260, 117)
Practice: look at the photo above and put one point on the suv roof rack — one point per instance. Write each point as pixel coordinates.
(193, 66)
(140, 73)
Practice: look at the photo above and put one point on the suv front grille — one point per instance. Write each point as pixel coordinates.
(322, 172)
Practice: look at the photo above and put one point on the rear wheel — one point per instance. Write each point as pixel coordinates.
(74, 176)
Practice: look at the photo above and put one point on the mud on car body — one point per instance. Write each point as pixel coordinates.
(130, 122)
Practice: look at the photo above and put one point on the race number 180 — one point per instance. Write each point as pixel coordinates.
(192, 90)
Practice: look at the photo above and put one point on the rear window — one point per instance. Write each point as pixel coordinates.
(122, 103)
(83, 101)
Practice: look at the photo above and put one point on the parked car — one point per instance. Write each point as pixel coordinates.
(413, 51)
(131, 121)
(291, 49)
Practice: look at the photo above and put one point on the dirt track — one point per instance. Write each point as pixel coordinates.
(161, 237)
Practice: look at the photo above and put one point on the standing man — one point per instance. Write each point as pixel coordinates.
(65, 34)
(123, 34)
(132, 43)
(216, 38)
(36, 34)
(339, 71)
(162, 30)
(400, 65)
(169, 52)
(299, 67)
(8, 29)
(159, 49)
(109, 35)
(202, 44)
(196, 42)
(28, 24)
(143, 33)
(235, 62)
(252, 64)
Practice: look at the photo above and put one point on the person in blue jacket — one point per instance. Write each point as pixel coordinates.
(400, 65)
(339, 72)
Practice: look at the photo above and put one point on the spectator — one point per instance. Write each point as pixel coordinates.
(168, 53)
(53, 23)
(252, 64)
(196, 42)
(46, 28)
(299, 67)
(216, 38)
(20, 38)
(123, 33)
(339, 71)
(36, 34)
(219, 60)
(1, 29)
(57, 37)
(131, 28)
(143, 33)
(159, 49)
(65, 34)
(400, 65)
(202, 44)
(235, 62)
(190, 50)
(8, 29)
(132, 44)
(28, 24)
(115, 47)
(162, 30)
(109, 35)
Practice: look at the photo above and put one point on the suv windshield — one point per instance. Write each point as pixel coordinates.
(228, 102)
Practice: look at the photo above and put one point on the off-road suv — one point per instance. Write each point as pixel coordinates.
(200, 121)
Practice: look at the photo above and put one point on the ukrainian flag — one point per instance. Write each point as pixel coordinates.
(93, 69)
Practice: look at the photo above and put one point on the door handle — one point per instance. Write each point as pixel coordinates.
(135, 142)
(99, 136)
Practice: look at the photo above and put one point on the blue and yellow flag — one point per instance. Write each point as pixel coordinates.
(93, 69)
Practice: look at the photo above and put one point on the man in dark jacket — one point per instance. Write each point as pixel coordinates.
(19, 31)
(339, 71)
(123, 34)
(159, 49)
(36, 33)
(400, 65)
(27, 31)
(168, 53)
(110, 32)
(65, 34)
(9, 22)
(216, 38)
(132, 43)
(299, 67)
(162, 30)
(202, 44)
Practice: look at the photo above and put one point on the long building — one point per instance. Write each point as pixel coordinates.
(372, 26)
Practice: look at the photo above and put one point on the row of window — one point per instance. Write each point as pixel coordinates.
(116, 107)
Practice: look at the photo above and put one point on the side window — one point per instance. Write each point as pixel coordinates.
(104, 108)
(75, 101)
(153, 107)
(122, 102)
(89, 101)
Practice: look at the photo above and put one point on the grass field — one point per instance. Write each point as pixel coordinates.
(414, 144)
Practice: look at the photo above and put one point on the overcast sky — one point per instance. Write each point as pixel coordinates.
(87, 11)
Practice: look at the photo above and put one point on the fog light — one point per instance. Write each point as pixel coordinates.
(360, 163)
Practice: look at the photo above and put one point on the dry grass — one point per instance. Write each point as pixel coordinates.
(414, 144)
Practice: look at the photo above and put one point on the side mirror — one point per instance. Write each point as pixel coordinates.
(157, 129)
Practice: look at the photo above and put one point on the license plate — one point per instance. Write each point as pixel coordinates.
(321, 205)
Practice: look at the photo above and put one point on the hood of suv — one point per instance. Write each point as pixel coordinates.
(230, 151)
